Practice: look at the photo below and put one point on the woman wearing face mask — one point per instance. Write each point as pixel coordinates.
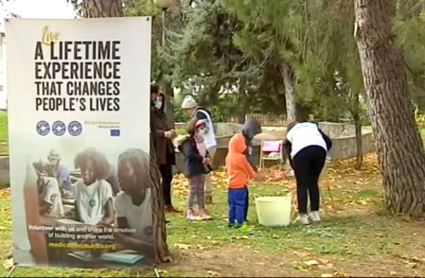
(197, 163)
(165, 151)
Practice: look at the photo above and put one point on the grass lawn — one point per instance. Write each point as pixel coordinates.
(360, 240)
(3, 133)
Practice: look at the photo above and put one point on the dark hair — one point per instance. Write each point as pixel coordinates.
(191, 127)
(154, 89)
(100, 163)
(139, 161)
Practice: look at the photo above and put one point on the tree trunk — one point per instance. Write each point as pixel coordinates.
(114, 8)
(359, 140)
(291, 109)
(169, 104)
(102, 8)
(399, 145)
(160, 229)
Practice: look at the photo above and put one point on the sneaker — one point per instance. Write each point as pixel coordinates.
(315, 216)
(208, 200)
(230, 225)
(303, 219)
(245, 227)
(205, 215)
(190, 215)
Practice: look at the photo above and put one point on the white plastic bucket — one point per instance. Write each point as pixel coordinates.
(274, 211)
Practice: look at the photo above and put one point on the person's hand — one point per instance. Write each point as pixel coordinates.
(207, 160)
(170, 134)
(259, 177)
(173, 133)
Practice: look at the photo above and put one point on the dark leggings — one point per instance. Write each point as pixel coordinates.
(308, 164)
(167, 176)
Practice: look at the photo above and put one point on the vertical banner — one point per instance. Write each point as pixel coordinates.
(79, 107)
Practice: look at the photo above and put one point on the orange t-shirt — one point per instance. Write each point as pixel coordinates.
(239, 171)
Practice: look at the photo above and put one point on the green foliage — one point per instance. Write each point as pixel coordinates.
(229, 54)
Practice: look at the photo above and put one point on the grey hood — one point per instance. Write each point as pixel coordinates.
(251, 128)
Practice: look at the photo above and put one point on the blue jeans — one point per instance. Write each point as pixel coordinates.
(237, 205)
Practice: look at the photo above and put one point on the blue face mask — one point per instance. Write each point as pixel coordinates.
(158, 104)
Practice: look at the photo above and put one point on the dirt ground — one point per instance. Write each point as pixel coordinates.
(243, 262)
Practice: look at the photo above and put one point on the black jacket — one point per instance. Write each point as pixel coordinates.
(152, 133)
(193, 165)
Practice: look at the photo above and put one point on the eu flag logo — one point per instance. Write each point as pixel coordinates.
(115, 132)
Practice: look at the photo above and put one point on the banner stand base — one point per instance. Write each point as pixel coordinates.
(156, 272)
(11, 270)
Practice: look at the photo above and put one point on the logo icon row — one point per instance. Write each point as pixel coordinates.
(59, 128)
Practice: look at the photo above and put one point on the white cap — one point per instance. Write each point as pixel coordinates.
(189, 102)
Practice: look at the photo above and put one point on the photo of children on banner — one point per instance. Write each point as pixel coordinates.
(124, 224)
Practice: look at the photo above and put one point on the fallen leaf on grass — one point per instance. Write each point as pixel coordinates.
(239, 237)
(182, 246)
(213, 273)
(8, 264)
(340, 274)
(5, 193)
(215, 242)
(311, 262)
(200, 247)
(410, 264)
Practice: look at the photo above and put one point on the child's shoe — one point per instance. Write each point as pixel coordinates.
(315, 216)
(205, 215)
(245, 227)
(190, 215)
(303, 219)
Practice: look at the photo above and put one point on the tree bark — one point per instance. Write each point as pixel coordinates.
(114, 8)
(399, 145)
(291, 108)
(169, 104)
(102, 8)
(359, 140)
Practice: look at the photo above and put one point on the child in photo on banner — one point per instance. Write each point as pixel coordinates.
(133, 205)
(49, 193)
(197, 163)
(92, 193)
(239, 172)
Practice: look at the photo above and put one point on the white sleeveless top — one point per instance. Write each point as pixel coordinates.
(303, 135)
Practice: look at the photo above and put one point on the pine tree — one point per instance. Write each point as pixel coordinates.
(399, 144)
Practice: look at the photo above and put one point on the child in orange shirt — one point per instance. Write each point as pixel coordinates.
(239, 172)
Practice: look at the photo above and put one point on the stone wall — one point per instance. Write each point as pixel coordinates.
(343, 138)
(221, 129)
